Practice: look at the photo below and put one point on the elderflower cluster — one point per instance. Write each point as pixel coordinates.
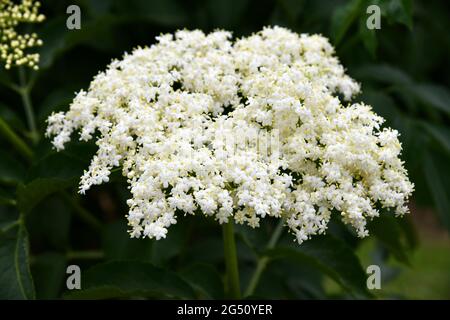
(161, 114)
(13, 45)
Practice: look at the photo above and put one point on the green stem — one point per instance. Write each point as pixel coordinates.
(24, 92)
(85, 255)
(11, 225)
(264, 260)
(231, 262)
(82, 213)
(15, 140)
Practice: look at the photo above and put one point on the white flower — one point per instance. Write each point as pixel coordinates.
(241, 131)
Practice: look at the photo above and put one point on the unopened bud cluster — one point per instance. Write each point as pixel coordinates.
(14, 46)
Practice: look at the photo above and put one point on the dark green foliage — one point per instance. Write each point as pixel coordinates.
(44, 227)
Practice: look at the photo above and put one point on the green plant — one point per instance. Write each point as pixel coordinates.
(44, 226)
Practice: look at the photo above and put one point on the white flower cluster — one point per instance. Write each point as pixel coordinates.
(161, 114)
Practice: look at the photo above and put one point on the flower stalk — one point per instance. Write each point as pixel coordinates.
(24, 91)
(231, 262)
(264, 260)
(15, 140)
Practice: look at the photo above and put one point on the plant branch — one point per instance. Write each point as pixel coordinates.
(15, 140)
(231, 262)
(264, 260)
(24, 92)
(82, 213)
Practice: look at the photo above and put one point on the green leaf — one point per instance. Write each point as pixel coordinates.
(52, 173)
(437, 185)
(167, 13)
(382, 73)
(99, 7)
(49, 274)
(400, 11)
(5, 78)
(12, 118)
(368, 37)
(11, 170)
(410, 232)
(130, 279)
(432, 95)
(343, 18)
(53, 38)
(287, 280)
(255, 239)
(118, 245)
(58, 39)
(14, 139)
(6, 198)
(440, 134)
(15, 277)
(49, 223)
(382, 103)
(9, 218)
(29, 195)
(333, 257)
(389, 232)
(205, 279)
(57, 100)
(226, 13)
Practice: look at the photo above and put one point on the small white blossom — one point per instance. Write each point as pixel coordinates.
(176, 117)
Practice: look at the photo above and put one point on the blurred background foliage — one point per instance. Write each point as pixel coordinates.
(44, 226)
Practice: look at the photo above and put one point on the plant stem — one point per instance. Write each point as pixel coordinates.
(24, 92)
(84, 214)
(15, 140)
(264, 260)
(11, 225)
(231, 262)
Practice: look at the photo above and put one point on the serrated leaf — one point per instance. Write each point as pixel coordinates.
(15, 276)
(128, 279)
(333, 257)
